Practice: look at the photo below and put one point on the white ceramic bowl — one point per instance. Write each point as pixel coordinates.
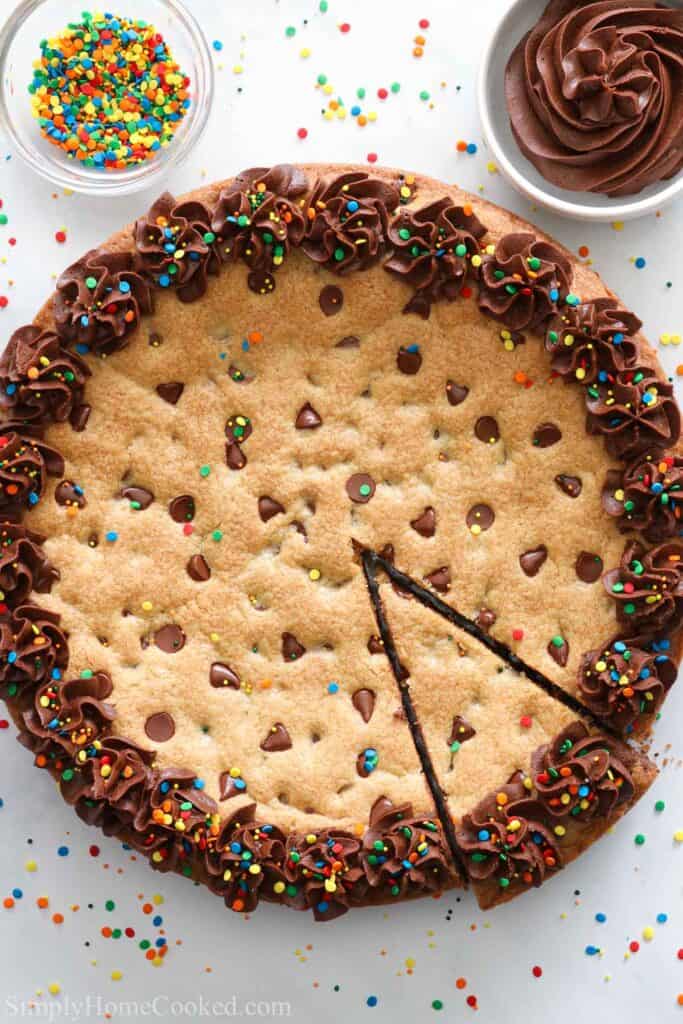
(519, 17)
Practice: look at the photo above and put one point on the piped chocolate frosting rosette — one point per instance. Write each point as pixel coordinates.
(39, 379)
(595, 94)
(625, 682)
(592, 339)
(648, 587)
(523, 281)
(647, 495)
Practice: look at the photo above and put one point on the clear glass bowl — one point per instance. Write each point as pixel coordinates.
(34, 20)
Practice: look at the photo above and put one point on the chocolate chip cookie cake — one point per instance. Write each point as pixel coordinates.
(341, 557)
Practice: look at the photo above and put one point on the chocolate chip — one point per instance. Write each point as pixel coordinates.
(456, 393)
(558, 649)
(198, 569)
(331, 299)
(588, 567)
(480, 518)
(425, 523)
(364, 702)
(234, 456)
(93, 540)
(440, 579)
(238, 376)
(360, 488)
(154, 339)
(300, 529)
(269, 507)
(546, 434)
(461, 731)
(532, 560)
(170, 639)
(569, 485)
(291, 648)
(160, 727)
(182, 509)
(349, 342)
(139, 497)
(307, 418)
(485, 619)
(486, 429)
(375, 645)
(222, 676)
(79, 416)
(229, 786)
(238, 428)
(409, 359)
(69, 493)
(277, 739)
(171, 391)
(261, 281)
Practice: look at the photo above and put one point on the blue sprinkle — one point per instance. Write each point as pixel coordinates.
(662, 918)
(199, 783)
(640, 263)
(471, 148)
(111, 535)
(371, 1000)
(217, 45)
(592, 950)
(333, 688)
(124, 286)
(17, 893)
(63, 851)
(82, 349)
(158, 920)
(601, 918)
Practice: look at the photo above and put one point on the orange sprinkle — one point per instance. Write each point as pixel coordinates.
(58, 918)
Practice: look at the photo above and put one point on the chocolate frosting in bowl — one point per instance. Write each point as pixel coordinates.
(595, 94)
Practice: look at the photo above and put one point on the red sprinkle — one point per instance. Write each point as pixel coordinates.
(60, 236)
(4, 724)
(382, 93)
(94, 851)
(302, 133)
(4, 301)
(526, 722)
(680, 954)
(472, 1001)
(345, 27)
(423, 22)
(634, 946)
(537, 971)
(372, 158)
(517, 634)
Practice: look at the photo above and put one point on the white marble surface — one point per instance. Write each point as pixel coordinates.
(411, 955)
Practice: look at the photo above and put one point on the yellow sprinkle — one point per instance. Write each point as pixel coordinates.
(678, 836)
(237, 69)
(648, 933)
(491, 167)
(305, 52)
(54, 988)
(618, 225)
(214, 638)
(31, 865)
(147, 606)
(314, 574)
(116, 975)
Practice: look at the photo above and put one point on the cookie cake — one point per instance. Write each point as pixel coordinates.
(341, 558)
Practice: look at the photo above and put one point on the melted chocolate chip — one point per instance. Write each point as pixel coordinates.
(307, 418)
(351, 341)
(277, 739)
(546, 434)
(375, 645)
(461, 731)
(182, 509)
(331, 299)
(229, 786)
(588, 567)
(480, 518)
(300, 529)
(154, 339)
(360, 488)
(425, 523)
(569, 485)
(261, 281)
(238, 428)
(409, 360)
(69, 493)
(160, 727)
(291, 648)
(238, 376)
(171, 391)
(486, 429)
(440, 579)
(222, 676)
(532, 560)
(139, 497)
(364, 702)
(234, 456)
(558, 649)
(198, 569)
(79, 416)
(485, 619)
(93, 540)
(269, 507)
(170, 639)
(456, 393)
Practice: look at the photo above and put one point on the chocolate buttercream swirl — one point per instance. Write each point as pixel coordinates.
(24, 566)
(505, 839)
(73, 713)
(347, 221)
(403, 853)
(647, 495)
(40, 380)
(25, 464)
(245, 862)
(32, 648)
(580, 776)
(634, 410)
(171, 251)
(327, 871)
(595, 94)
(591, 340)
(648, 587)
(119, 774)
(433, 251)
(523, 281)
(99, 301)
(258, 217)
(625, 682)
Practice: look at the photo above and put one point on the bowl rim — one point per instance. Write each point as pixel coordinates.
(565, 207)
(144, 175)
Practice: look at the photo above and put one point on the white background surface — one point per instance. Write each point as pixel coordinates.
(279, 955)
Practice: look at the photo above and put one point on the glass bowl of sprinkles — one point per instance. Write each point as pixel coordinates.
(104, 102)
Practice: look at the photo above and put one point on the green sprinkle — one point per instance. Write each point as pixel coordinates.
(109, 905)
(424, 95)
(217, 535)
(639, 840)
(204, 470)
(290, 31)
(659, 806)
